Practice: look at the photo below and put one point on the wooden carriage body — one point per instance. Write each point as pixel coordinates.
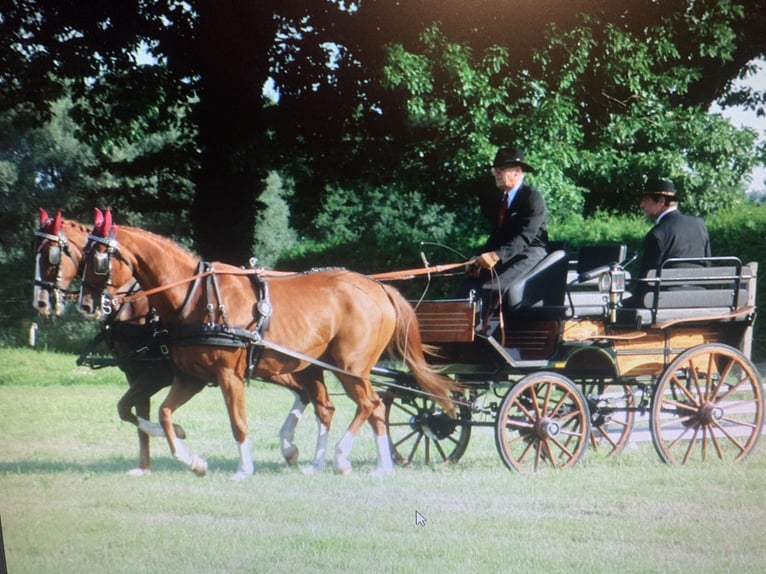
(683, 357)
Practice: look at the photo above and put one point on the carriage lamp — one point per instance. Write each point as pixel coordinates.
(613, 282)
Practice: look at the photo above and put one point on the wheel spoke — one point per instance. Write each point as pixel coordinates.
(706, 414)
(542, 421)
(420, 432)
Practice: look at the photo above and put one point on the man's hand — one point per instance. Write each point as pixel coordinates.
(488, 260)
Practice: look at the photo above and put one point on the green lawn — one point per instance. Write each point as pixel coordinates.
(67, 504)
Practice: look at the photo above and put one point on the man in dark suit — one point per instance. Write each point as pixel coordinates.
(674, 234)
(518, 238)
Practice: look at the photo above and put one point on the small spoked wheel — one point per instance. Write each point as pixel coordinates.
(612, 417)
(708, 404)
(543, 421)
(421, 432)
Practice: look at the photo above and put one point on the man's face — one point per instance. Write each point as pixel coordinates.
(507, 177)
(652, 207)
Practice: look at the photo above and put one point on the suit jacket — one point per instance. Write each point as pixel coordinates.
(521, 241)
(524, 226)
(676, 235)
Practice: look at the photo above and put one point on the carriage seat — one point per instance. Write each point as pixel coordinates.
(673, 293)
(544, 285)
(583, 295)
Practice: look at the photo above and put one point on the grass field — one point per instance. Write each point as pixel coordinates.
(67, 504)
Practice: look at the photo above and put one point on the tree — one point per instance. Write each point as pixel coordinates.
(326, 58)
(273, 234)
(592, 145)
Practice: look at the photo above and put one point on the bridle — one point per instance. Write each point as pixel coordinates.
(57, 244)
(102, 266)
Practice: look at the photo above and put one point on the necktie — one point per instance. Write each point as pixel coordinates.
(503, 210)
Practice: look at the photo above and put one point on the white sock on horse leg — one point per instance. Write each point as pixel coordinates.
(287, 432)
(150, 428)
(385, 462)
(246, 466)
(342, 451)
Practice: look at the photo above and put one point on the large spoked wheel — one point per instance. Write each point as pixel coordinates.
(611, 415)
(421, 432)
(707, 404)
(543, 421)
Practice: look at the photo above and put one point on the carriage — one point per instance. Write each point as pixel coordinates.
(562, 365)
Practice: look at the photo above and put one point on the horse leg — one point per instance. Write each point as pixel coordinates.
(366, 401)
(133, 397)
(287, 432)
(233, 390)
(143, 384)
(180, 392)
(308, 386)
(385, 465)
(324, 411)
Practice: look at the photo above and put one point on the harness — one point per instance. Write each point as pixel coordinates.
(60, 244)
(215, 331)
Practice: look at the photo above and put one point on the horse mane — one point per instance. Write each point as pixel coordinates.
(165, 241)
(76, 225)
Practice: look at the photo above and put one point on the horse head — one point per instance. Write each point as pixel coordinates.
(102, 267)
(57, 263)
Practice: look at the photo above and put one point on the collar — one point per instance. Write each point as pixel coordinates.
(664, 213)
(511, 193)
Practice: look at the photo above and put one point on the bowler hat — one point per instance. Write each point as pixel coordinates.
(511, 157)
(660, 187)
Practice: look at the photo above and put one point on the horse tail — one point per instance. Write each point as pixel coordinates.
(407, 343)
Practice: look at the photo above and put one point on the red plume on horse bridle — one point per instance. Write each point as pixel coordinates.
(102, 223)
(50, 224)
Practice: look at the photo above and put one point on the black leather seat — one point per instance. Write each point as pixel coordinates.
(543, 285)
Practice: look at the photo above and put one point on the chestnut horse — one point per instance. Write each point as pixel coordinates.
(59, 245)
(327, 317)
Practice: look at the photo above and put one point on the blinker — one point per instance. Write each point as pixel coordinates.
(102, 263)
(54, 255)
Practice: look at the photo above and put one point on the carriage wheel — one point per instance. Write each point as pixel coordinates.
(612, 418)
(420, 431)
(708, 403)
(542, 421)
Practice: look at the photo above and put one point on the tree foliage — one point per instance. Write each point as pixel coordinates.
(592, 147)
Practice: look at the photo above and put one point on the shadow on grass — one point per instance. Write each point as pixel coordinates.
(121, 465)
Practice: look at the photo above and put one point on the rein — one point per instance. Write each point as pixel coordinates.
(390, 276)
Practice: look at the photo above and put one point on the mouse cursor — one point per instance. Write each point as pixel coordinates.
(420, 520)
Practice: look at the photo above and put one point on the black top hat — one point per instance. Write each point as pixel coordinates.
(660, 187)
(510, 157)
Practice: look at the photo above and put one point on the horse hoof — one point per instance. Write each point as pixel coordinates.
(291, 455)
(139, 472)
(343, 469)
(240, 475)
(199, 466)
